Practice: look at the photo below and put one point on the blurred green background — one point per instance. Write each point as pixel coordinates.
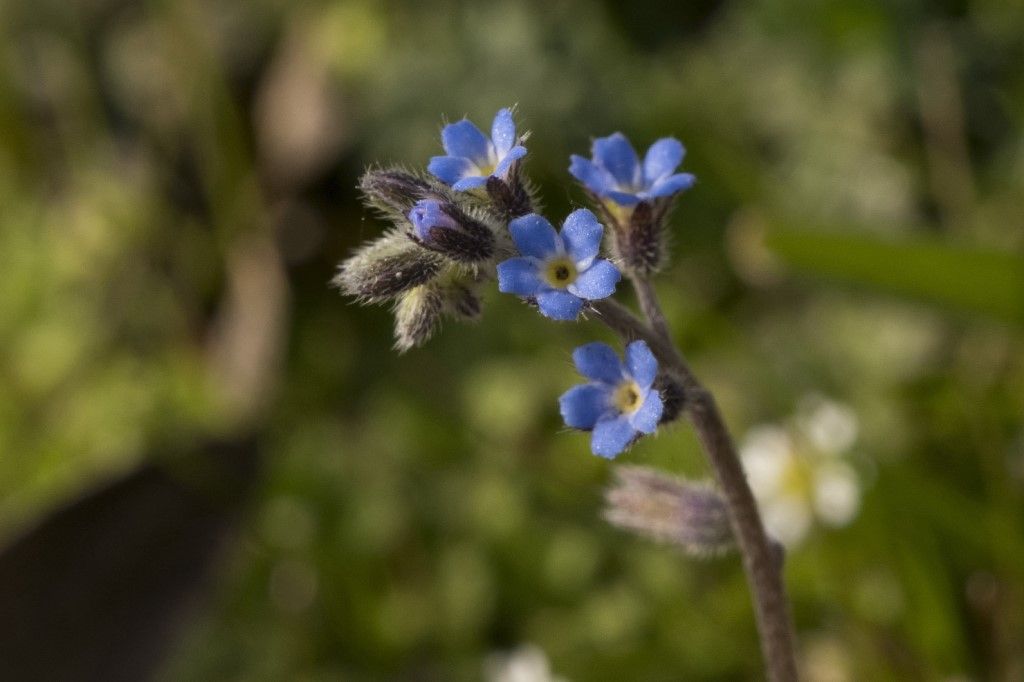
(177, 184)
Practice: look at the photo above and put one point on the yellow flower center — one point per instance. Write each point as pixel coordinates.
(621, 214)
(797, 480)
(627, 397)
(560, 272)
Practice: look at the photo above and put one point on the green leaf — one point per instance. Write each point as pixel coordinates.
(984, 282)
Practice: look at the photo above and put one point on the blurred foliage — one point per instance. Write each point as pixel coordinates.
(418, 513)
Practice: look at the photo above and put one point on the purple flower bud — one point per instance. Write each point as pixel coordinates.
(693, 516)
(428, 215)
(447, 229)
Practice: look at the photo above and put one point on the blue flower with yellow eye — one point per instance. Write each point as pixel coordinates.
(472, 157)
(615, 172)
(559, 270)
(620, 402)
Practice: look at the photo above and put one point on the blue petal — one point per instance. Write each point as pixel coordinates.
(611, 436)
(672, 184)
(597, 281)
(428, 214)
(618, 157)
(559, 304)
(645, 420)
(503, 132)
(534, 236)
(641, 363)
(623, 198)
(583, 405)
(519, 276)
(581, 234)
(598, 361)
(450, 169)
(593, 177)
(514, 154)
(663, 157)
(465, 139)
(470, 182)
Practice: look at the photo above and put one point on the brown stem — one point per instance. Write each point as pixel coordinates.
(762, 559)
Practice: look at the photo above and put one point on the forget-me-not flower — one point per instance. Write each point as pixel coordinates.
(559, 270)
(619, 402)
(472, 158)
(615, 172)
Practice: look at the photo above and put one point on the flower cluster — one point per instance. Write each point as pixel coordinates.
(472, 218)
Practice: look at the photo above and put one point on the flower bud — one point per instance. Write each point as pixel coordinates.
(417, 316)
(510, 197)
(640, 241)
(668, 509)
(462, 302)
(445, 228)
(673, 398)
(393, 190)
(386, 268)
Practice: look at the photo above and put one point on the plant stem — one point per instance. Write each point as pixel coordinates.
(762, 559)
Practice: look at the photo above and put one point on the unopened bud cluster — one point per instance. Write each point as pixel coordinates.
(448, 230)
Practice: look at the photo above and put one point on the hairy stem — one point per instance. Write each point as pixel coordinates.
(762, 559)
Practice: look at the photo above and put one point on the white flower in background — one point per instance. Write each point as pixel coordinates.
(799, 473)
(829, 426)
(528, 663)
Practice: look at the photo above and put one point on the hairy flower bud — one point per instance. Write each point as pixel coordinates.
(692, 516)
(393, 190)
(417, 316)
(639, 242)
(462, 302)
(386, 268)
(510, 198)
(673, 396)
(447, 229)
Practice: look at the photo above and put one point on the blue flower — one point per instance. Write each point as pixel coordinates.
(615, 173)
(428, 215)
(559, 270)
(472, 158)
(619, 403)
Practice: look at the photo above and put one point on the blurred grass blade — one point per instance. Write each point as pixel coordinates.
(989, 283)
